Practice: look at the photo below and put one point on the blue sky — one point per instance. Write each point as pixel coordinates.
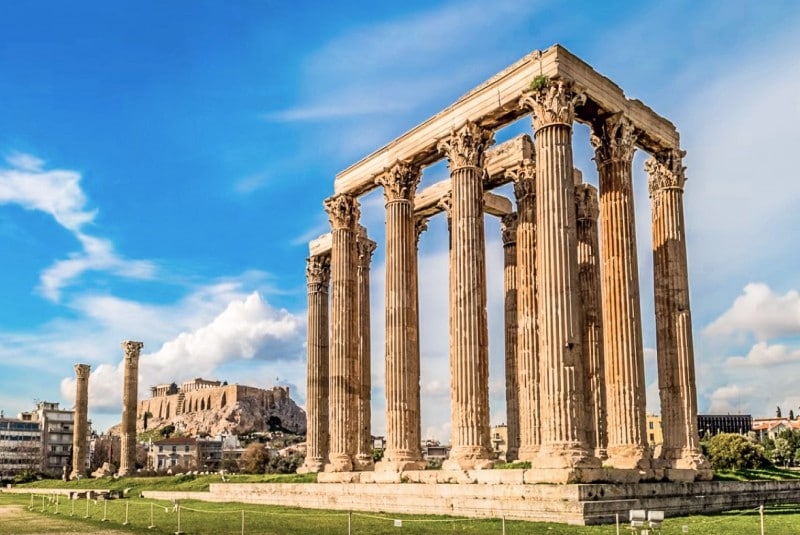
(163, 166)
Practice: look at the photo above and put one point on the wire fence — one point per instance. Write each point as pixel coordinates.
(227, 518)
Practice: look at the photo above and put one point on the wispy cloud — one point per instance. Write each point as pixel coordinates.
(766, 355)
(57, 192)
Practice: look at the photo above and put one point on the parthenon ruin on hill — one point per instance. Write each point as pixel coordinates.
(574, 355)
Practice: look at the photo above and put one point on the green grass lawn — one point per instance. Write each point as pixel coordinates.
(761, 474)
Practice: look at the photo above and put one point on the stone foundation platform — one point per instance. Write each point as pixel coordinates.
(581, 504)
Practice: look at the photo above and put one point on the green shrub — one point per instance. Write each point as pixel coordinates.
(730, 451)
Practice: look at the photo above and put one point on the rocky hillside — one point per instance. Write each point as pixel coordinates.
(240, 418)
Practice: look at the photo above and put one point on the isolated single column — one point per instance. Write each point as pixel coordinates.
(81, 422)
(127, 459)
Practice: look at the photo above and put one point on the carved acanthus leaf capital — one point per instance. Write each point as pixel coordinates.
(82, 371)
(400, 181)
(318, 271)
(364, 249)
(445, 204)
(466, 146)
(524, 180)
(613, 139)
(666, 170)
(508, 228)
(553, 103)
(586, 202)
(131, 350)
(343, 211)
(420, 226)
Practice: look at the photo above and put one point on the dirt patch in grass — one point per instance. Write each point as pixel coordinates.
(17, 520)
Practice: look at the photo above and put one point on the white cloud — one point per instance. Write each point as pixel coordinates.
(766, 355)
(761, 313)
(248, 329)
(58, 193)
(728, 399)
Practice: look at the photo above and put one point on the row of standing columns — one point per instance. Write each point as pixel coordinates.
(575, 387)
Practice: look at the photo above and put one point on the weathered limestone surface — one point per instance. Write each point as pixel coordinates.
(318, 273)
(402, 324)
(563, 444)
(614, 141)
(127, 460)
(591, 297)
(81, 423)
(530, 439)
(675, 352)
(343, 212)
(508, 227)
(364, 249)
(469, 345)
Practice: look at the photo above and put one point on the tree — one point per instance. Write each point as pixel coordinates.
(254, 458)
(791, 414)
(782, 454)
(778, 412)
(730, 451)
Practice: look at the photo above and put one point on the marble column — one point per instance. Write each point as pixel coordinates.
(591, 297)
(318, 273)
(469, 352)
(676, 374)
(81, 424)
(530, 439)
(130, 392)
(508, 228)
(364, 249)
(561, 396)
(402, 326)
(613, 140)
(343, 213)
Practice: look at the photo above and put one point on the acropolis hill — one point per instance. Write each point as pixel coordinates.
(200, 406)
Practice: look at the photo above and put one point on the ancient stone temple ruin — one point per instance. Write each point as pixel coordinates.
(574, 354)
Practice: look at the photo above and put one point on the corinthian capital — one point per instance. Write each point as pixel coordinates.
(318, 272)
(343, 211)
(613, 139)
(400, 181)
(524, 179)
(586, 204)
(553, 102)
(364, 249)
(666, 170)
(508, 228)
(82, 371)
(466, 146)
(420, 226)
(131, 350)
(446, 204)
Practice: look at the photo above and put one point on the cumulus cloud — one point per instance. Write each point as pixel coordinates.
(766, 355)
(247, 329)
(57, 192)
(760, 312)
(729, 398)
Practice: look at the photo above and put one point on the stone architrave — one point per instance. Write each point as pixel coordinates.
(402, 325)
(591, 297)
(614, 141)
(675, 352)
(364, 248)
(343, 213)
(561, 395)
(81, 424)
(530, 439)
(127, 458)
(318, 273)
(508, 228)
(469, 353)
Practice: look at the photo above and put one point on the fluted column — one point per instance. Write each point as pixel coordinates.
(561, 396)
(343, 213)
(469, 353)
(318, 273)
(81, 423)
(613, 140)
(530, 438)
(675, 352)
(508, 228)
(127, 459)
(364, 247)
(591, 296)
(402, 332)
